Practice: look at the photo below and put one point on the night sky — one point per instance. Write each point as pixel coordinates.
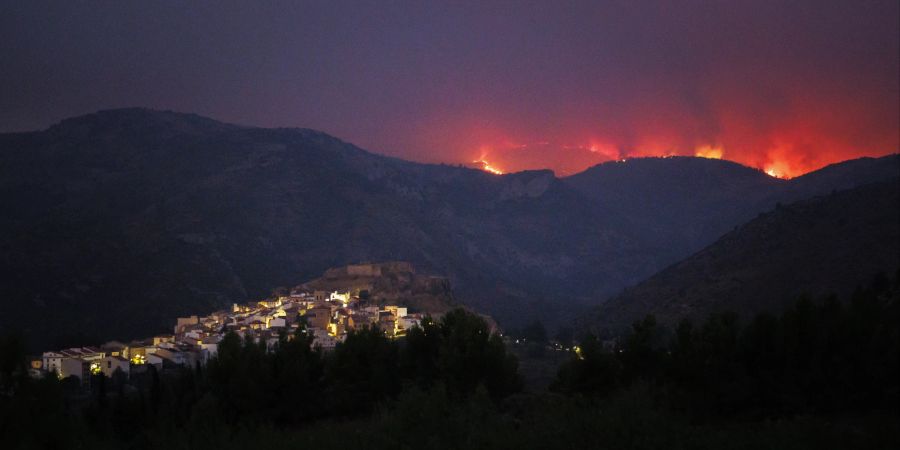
(784, 86)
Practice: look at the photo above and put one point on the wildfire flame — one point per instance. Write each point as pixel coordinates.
(487, 167)
(709, 152)
(778, 169)
(775, 173)
(778, 160)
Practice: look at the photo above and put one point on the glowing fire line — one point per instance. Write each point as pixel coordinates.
(487, 167)
(775, 167)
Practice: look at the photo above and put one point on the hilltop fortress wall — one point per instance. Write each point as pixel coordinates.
(371, 270)
(394, 281)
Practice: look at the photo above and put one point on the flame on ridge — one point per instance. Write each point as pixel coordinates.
(487, 167)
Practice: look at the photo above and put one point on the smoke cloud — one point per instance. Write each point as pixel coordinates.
(786, 86)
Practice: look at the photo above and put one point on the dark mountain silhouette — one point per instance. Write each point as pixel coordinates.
(116, 222)
(678, 205)
(817, 247)
(121, 220)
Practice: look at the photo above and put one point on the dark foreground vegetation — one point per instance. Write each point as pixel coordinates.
(824, 374)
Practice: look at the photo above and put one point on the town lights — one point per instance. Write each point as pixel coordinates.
(95, 369)
(138, 359)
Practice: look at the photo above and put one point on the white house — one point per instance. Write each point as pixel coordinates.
(324, 340)
(340, 297)
(195, 332)
(211, 349)
(74, 367)
(110, 364)
(155, 360)
(174, 355)
(52, 361)
(408, 322)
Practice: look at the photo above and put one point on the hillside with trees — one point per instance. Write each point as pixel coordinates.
(120, 220)
(824, 374)
(826, 245)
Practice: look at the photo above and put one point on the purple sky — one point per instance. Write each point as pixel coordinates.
(789, 86)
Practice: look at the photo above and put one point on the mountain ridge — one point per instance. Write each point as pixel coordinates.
(825, 245)
(126, 219)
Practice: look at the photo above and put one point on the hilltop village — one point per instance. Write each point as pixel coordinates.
(347, 298)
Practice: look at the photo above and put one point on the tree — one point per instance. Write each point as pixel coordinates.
(470, 355)
(13, 363)
(361, 372)
(642, 350)
(298, 370)
(419, 356)
(592, 370)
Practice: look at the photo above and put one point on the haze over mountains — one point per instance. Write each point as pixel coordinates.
(116, 222)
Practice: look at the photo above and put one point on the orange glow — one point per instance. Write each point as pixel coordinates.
(487, 167)
(784, 160)
(785, 156)
(802, 134)
(709, 151)
(803, 126)
(778, 170)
